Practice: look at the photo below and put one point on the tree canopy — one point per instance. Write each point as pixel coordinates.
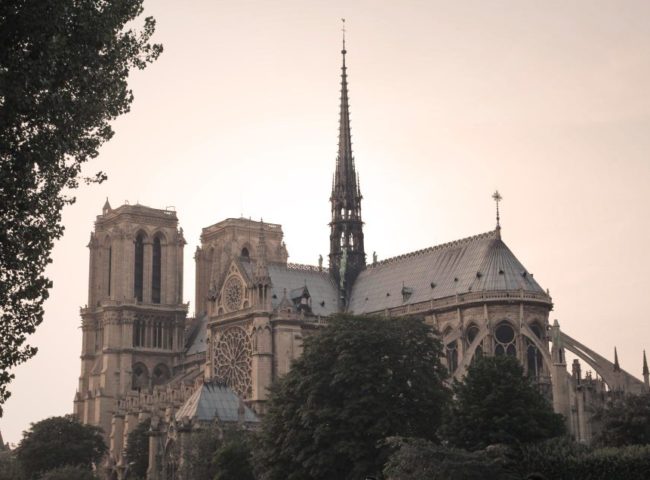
(359, 381)
(625, 421)
(137, 450)
(63, 78)
(495, 403)
(58, 442)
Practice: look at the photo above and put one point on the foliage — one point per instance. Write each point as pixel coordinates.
(233, 459)
(417, 459)
(562, 459)
(625, 421)
(359, 380)
(496, 404)
(198, 454)
(9, 468)
(69, 473)
(57, 442)
(63, 78)
(137, 450)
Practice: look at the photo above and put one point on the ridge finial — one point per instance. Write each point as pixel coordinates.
(343, 30)
(496, 196)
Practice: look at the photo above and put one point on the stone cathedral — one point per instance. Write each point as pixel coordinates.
(142, 357)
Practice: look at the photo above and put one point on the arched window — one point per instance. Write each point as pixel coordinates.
(534, 361)
(110, 269)
(156, 270)
(139, 377)
(504, 339)
(451, 352)
(244, 252)
(470, 335)
(138, 277)
(138, 333)
(160, 374)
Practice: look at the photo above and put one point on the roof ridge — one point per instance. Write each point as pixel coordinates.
(305, 267)
(442, 246)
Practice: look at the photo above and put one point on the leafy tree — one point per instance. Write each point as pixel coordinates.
(417, 459)
(137, 450)
(625, 421)
(63, 78)
(57, 442)
(198, 453)
(69, 473)
(359, 380)
(233, 459)
(9, 468)
(495, 403)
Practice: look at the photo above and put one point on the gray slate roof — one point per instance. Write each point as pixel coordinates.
(215, 401)
(196, 336)
(293, 277)
(479, 263)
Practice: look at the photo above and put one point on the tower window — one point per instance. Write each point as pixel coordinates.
(138, 277)
(156, 271)
(244, 252)
(110, 266)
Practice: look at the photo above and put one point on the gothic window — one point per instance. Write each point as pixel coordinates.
(138, 277)
(451, 352)
(244, 252)
(158, 334)
(110, 267)
(534, 361)
(139, 377)
(160, 374)
(537, 330)
(232, 361)
(138, 333)
(504, 340)
(470, 335)
(156, 261)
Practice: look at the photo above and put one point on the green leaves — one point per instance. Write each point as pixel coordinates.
(63, 79)
(495, 404)
(360, 380)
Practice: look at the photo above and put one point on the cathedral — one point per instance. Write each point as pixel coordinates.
(143, 358)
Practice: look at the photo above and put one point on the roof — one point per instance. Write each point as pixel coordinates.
(196, 336)
(479, 263)
(293, 278)
(213, 401)
(320, 286)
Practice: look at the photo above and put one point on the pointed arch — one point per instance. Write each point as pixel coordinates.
(156, 268)
(138, 273)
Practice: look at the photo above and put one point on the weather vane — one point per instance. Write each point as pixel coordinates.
(496, 196)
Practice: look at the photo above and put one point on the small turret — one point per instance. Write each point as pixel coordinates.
(617, 367)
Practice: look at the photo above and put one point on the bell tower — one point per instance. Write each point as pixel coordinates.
(347, 255)
(132, 326)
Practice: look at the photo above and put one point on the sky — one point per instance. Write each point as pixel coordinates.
(548, 102)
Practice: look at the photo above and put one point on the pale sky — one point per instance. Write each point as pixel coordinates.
(547, 101)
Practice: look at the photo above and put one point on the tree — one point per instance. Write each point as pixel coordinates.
(624, 421)
(69, 473)
(233, 459)
(63, 78)
(495, 404)
(417, 459)
(359, 380)
(198, 453)
(58, 442)
(137, 450)
(9, 468)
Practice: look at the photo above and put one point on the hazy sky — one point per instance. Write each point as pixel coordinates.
(547, 101)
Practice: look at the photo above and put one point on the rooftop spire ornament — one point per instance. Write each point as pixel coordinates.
(496, 196)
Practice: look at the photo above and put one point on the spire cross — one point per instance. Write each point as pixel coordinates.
(496, 196)
(343, 30)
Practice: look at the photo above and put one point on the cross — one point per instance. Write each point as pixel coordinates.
(343, 30)
(496, 196)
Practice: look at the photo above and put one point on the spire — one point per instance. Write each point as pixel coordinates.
(262, 278)
(496, 196)
(347, 256)
(646, 372)
(617, 367)
(345, 181)
(107, 207)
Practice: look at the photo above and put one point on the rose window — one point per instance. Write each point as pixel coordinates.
(232, 361)
(233, 293)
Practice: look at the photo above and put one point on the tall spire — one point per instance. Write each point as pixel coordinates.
(617, 367)
(646, 372)
(347, 255)
(496, 196)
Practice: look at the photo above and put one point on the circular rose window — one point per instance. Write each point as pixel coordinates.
(232, 361)
(233, 293)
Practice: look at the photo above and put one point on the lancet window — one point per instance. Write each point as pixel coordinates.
(138, 277)
(156, 263)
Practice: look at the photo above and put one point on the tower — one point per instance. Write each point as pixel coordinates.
(133, 323)
(347, 256)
